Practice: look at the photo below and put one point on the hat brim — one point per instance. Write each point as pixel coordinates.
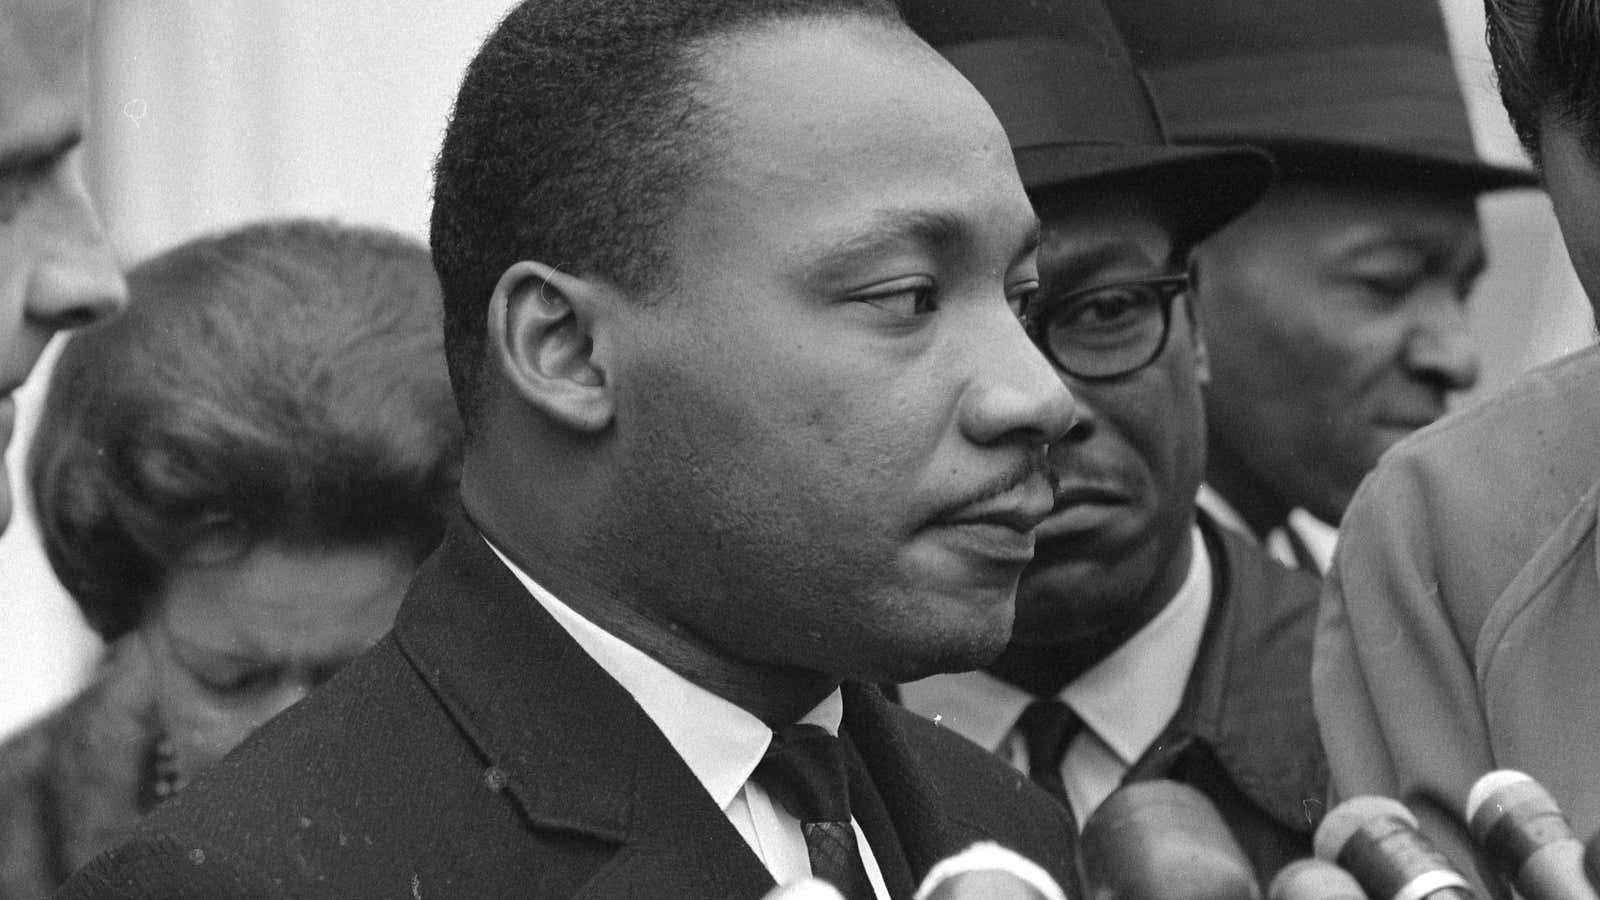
(1363, 162)
(1211, 186)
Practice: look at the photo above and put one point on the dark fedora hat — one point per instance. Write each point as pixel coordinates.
(1336, 87)
(1076, 110)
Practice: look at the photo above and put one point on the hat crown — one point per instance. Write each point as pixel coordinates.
(1308, 76)
(1054, 72)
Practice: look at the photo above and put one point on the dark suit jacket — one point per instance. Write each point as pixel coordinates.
(1245, 735)
(478, 752)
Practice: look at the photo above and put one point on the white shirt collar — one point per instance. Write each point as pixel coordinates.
(1126, 699)
(1219, 509)
(719, 741)
(1131, 695)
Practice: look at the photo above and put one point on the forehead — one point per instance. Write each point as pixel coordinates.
(1428, 218)
(833, 118)
(1095, 228)
(42, 79)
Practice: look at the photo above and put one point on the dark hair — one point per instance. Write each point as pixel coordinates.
(283, 382)
(1547, 62)
(574, 138)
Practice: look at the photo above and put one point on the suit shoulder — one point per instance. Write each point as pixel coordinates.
(979, 788)
(167, 867)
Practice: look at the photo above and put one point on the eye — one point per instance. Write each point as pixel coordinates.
(1021, 299)
(905, 300)
(1391, 286)
(236, 682)
(1104, 309)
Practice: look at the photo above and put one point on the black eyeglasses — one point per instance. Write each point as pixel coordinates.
(1107, 331)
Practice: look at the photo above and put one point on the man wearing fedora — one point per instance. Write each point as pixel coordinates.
(1339, 300)
(1150, 643)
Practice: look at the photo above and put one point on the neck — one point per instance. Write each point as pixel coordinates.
(776, 695)
(1044, 669)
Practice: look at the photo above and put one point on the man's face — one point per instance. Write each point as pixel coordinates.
(55, 270)
(1572, 177)
(1336, 321)
(834, 423)
(1116, 547)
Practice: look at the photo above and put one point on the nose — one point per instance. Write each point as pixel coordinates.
(1016, 393)
(74, 279)
(1440, 348)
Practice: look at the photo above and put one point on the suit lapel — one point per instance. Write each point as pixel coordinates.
(571, 747)
(911, 804)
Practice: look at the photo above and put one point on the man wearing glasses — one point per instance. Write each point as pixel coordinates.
(1149, 643)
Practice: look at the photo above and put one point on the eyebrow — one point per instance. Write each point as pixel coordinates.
(933, 229)
(1430, 245)
(32, 153)
(1081, 265)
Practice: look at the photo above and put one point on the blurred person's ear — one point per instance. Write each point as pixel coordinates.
(540, 339)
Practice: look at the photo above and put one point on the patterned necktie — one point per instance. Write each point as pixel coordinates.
(804, 771)
(1048, 728)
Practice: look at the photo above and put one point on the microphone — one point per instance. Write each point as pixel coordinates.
(1376, 840)
(988, 871)
(1161, 838)
(1314, 879)
(1517, 822)
(804, 889)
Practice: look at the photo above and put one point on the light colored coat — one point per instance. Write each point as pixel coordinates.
(1459, 625)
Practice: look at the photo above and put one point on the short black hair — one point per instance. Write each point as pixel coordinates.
(575, 136)
(1547, 62)
(283, 382)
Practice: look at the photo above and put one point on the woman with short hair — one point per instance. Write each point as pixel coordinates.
(235, 481)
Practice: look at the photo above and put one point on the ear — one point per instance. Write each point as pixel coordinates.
(1192, 307)
(1202, 359)
(541, 340)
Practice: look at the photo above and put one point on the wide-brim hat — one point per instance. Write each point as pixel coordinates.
(1358, 88)
(1076, 110)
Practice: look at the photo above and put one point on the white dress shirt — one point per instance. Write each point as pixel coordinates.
(1316, 536)
(718, 740)
(1125, 700)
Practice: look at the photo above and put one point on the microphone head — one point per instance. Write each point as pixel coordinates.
(1507, 799)
(989, 871)
(1150, 835)
(1494, 782)
(1343, 821)
(1314, 879)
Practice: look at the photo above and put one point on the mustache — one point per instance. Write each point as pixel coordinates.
(1030, 467)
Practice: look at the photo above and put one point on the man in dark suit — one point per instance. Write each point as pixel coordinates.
(1152, 642)
(729, 308)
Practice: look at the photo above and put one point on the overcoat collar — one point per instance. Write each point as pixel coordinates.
(580, 757)
(1252, 709)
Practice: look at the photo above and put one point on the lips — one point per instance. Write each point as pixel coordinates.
(1021, 508)
(1082, 506)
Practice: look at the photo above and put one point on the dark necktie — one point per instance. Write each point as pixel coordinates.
(1048, 728)
(804, 771)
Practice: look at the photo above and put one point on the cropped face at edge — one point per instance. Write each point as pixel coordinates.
(1572, 176)
(835, 424)
(55, 268)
